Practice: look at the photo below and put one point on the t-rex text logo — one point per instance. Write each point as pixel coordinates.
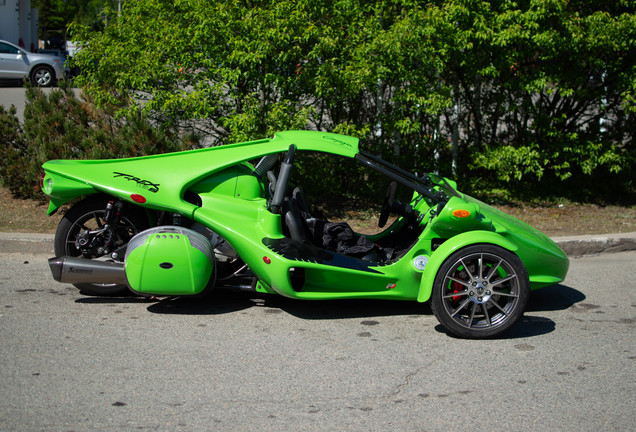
(152, 187)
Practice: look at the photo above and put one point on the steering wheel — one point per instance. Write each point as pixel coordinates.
(386, 205)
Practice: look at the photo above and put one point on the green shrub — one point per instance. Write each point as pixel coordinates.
(59, 125)
(12, 151)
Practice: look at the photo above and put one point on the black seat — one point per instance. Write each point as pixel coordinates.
(299, 196)
(294, 223)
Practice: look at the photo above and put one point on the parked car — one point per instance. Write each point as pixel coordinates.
(42, 70)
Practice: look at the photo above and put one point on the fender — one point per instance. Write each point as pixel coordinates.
(452, 245)
(63, 189)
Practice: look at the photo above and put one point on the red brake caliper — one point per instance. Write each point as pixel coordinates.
(456, 287)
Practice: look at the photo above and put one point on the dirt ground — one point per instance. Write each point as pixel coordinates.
(555, 221)
(576, 219)
(17, 215)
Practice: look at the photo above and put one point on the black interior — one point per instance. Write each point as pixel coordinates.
(300, 226)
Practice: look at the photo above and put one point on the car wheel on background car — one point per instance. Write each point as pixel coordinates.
(480, 291)
(43, 76)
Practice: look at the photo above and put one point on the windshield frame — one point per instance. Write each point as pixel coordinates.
(425, 185)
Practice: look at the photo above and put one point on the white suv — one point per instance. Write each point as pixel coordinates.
(42, 69)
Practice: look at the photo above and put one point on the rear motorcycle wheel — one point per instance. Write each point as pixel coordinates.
(88, 214)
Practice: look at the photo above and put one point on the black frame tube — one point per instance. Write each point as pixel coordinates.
(398, 174)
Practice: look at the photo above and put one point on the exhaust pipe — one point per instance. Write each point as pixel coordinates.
(78, 270)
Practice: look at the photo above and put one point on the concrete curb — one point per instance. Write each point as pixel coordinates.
(12, 242)
(26, 237)
(573, 246)
(596, 244)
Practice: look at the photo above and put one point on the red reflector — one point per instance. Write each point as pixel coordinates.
(138, 198)
(461, 213)
(267, 260)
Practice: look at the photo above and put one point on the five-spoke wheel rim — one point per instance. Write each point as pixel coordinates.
(481, 291)
(43, 77)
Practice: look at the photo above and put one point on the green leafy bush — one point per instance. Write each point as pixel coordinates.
(530, 97)
(59, 125)
(12, 151)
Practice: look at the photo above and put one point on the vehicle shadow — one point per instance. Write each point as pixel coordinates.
(230, 301)
(188, 305)
(11, 83)
(557, 297)
(554, 298)
(528, 326)
(549, 299)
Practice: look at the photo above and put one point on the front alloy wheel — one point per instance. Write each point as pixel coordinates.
(480, 291)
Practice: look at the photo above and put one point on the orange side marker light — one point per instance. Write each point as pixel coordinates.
(461, 213)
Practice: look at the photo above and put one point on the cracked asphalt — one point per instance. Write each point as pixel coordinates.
(247, 362)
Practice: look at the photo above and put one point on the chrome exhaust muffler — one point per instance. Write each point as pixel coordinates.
(79, 270)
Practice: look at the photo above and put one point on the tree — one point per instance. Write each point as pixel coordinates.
(549, 103)
(513, 94)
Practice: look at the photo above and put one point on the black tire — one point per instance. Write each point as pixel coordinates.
(89, 213)
(480, 292)
(43, 76)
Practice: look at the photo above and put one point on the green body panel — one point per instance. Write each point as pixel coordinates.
(163, 179)
(448, 225)
(233, 203)
(65, 190)
(237, 182)
(449, 247)
(167, 264)
(545, 262)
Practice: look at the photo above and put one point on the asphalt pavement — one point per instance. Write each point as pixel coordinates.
(241, 362)
(245, 362)
(573, 246)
